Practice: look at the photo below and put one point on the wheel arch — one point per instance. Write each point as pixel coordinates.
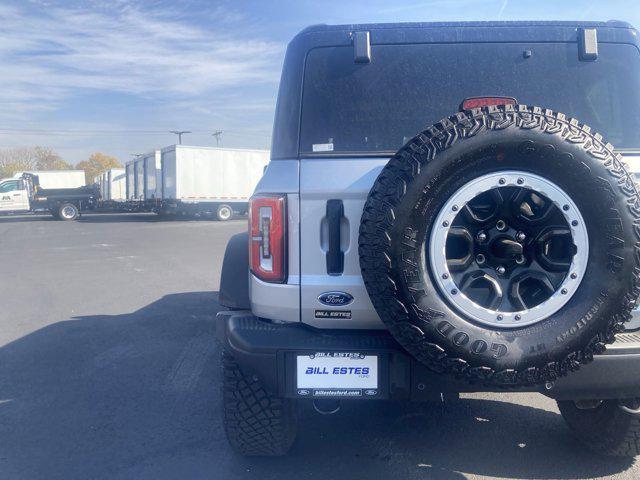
(234, 281)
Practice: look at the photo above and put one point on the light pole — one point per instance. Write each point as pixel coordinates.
(179, 133)
(218, 135)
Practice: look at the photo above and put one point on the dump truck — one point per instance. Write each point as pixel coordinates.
(27, 194)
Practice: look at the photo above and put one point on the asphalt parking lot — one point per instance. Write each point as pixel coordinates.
(109, 369)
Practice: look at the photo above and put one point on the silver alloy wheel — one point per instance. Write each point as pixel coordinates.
(512, 247)
(68, 212)
(224, 213)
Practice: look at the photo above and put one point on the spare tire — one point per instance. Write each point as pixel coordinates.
(502, 245)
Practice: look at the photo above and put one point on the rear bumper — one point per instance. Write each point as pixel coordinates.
(269, 351)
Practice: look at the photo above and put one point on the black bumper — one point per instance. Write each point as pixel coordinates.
(269, 351)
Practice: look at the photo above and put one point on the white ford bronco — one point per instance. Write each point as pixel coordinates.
(442, 213)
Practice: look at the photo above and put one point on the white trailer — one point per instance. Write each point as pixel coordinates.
(142, 177)
(116, 188)
(151, 187)
(138, 175)
(113, 185)
(210, 180)
(102, 184)
(57, 178)
(130, 180)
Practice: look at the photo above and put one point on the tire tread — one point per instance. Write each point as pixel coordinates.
(606, 430)
(255, 422)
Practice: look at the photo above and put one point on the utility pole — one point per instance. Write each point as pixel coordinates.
(218, 135)
(179, 133)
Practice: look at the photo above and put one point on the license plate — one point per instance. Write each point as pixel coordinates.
(337, 374)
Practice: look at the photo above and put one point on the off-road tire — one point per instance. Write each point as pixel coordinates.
(256, 423)
(419, 179)
(606, 429)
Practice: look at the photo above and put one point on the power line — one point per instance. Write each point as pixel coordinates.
(82, 132)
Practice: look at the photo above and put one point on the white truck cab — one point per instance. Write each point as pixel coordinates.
(14, 196)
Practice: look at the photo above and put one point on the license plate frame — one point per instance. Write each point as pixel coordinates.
(337, 375)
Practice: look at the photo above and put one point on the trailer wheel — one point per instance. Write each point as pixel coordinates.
(68, 211)
(224, 213)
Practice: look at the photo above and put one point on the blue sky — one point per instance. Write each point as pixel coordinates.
(115, 75)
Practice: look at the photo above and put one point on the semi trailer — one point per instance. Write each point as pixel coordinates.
(27, 194)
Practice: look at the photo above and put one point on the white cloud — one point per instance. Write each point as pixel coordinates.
(51, 53)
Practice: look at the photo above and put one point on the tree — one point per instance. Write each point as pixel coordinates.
(47, 159)
(96, 164)
(19, 159)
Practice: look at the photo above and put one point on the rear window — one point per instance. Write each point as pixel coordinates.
(377, 107)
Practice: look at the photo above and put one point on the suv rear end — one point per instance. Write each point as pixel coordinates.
(350, 97)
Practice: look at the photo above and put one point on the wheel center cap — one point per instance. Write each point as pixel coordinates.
(505, 248)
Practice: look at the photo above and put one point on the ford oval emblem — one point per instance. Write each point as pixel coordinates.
(335, 299)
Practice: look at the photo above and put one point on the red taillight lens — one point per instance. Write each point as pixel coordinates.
(267, 237)
(477, 102)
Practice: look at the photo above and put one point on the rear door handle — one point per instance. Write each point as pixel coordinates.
(16, 194)
(335, 256)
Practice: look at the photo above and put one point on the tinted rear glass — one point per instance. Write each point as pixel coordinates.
(377, 107)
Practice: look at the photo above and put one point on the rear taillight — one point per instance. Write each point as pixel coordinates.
(267, 237)
(477, 102)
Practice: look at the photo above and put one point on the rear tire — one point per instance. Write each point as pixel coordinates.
(255, 422)
(611, 428)
(68, 211)
(224, 213)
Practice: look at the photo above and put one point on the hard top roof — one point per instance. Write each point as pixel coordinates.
(519, 23)
(287, 120)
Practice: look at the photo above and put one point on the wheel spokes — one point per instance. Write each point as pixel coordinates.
(483, 289)
(530, 207)
(484, 207)
(515, 245)
(555, 249)
(459, 249)
(529, 289)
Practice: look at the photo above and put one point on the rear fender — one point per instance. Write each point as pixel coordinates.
(234, 282)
